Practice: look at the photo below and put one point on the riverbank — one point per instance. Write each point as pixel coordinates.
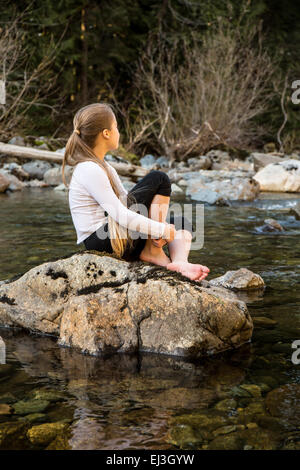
(215, 178)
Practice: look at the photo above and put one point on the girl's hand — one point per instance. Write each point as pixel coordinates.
(169, 233)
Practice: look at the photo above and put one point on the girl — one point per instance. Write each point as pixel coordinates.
(99, 202)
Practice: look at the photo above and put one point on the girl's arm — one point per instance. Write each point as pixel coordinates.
(96, 182)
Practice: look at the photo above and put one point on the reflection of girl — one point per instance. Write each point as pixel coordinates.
(98, 200)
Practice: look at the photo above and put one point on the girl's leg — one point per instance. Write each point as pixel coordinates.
(179, 250)
(154, 190)
(153, 252)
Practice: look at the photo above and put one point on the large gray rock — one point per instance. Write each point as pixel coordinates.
(280, 177)
(148, 161)
(36, 168)
(236, 189)
(99, 304)
(53, 177)
(260, 160)
(207, 195)
(213, 186)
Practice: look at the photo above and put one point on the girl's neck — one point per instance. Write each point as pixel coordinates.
(100, 152)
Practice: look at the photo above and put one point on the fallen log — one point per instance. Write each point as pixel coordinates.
(124, 169)
(30, 153)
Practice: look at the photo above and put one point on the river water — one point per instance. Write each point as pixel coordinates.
(243, 399)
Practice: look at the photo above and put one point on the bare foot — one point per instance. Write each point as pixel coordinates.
(155, 256)
(196, 272)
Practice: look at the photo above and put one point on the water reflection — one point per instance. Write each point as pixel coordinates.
(160, 402)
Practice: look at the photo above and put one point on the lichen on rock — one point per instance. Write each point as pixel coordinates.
(100, 304)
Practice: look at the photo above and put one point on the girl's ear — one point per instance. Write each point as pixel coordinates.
(105, 133)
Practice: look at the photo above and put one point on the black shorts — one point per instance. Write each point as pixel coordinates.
(155, 182)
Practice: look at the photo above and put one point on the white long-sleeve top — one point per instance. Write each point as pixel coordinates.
(91, 194)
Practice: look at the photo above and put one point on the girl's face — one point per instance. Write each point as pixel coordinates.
(114, 136)
(108, 139)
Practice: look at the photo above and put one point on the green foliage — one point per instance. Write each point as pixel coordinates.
(105, 55)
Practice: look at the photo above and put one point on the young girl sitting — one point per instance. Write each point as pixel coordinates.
(106, 216)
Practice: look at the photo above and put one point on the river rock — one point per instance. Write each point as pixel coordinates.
(272, 226)
(30, 406)
(13, 435)
(17, 170)
(213, 186)
(53, 176)
(162, 162)
(242, 279)
(148, 161)
(295, 211)
(202, 162)
(101, 304)
(35, 184)
(260, 160)
(14, 183)
(236, 189)
(36, 168)
(209, 196)
(283, 402)
(43, 434)
(17, 140)
(4, 182)
(218, 156)
(176, 189)
(280, 177)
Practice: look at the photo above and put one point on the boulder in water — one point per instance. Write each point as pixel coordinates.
(100, 304)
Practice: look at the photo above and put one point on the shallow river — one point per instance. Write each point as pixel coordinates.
(243, 399)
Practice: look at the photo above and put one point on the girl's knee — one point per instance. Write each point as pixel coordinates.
(163, 181)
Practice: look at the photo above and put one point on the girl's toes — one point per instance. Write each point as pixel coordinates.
(205, 268)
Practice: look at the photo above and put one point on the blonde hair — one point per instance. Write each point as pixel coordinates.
(88, 122)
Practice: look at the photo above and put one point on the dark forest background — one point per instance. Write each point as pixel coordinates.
(183, 76)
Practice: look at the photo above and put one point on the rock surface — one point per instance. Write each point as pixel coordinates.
(242, 279)
(212, 185)
(4, 182)
(100, 304)
(280, 177)
(260, 160)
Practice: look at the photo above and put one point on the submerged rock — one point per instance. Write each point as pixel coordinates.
(13, 436)
(101, 304)
(271, 225)
(283, 402)
(43, 434)
(30, 406)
